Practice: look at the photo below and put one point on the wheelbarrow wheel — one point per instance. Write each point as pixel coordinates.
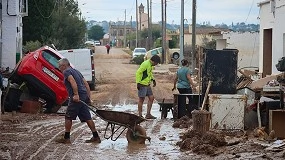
(133, 138)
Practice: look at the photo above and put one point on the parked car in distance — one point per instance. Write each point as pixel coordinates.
(97, 43)
(138, 52)
(38, 70)
(82, 60)
(173, 53)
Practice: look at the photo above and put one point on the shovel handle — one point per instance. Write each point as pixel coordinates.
(206, 94)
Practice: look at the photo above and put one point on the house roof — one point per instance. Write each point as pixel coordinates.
(209, 30)
(263, 2)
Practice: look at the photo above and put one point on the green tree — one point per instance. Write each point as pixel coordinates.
(31, 46)
(68, 30)
(207, 43)
(51, 21)
(156, 33)
(174, 42)
(96, 32)
(37, 25)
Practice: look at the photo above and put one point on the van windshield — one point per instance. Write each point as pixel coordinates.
(140, 50)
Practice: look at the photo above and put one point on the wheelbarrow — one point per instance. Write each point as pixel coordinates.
(165, 106)
(118, 122)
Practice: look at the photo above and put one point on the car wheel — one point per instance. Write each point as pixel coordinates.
(175, 55)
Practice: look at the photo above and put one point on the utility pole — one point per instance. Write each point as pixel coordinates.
(150, 26)
(137, 23)
(140, 29)
(182, 33)
(131, 31)
(125, 32)
(163, 34)
(148, 29)
(117, 34)
(165, 57)
(193, 34)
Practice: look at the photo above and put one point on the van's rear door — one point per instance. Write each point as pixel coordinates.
(81, 59)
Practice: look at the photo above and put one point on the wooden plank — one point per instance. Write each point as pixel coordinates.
(276, 122)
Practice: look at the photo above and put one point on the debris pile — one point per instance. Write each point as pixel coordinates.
(183, 122)
(201, 144)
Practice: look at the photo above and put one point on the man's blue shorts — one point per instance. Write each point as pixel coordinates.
(79, 109)
(145, 91)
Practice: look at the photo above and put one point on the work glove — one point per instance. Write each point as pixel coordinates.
(154, 83)
(139, 86)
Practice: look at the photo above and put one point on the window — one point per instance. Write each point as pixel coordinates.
(154, 52)
(23, 7)
(51, 58)
(140, 50)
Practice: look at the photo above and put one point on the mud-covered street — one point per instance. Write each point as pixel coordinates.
(32, 136)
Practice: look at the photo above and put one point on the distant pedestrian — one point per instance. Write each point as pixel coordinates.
(78, 90)
(108, 48)
(144, 77)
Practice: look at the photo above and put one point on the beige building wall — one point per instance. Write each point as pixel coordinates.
(248, 45)
(143, 21)
(199, 38)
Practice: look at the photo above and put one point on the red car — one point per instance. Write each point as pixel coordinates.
(39, 70)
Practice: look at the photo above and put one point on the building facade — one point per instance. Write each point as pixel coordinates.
(272, 35)
(116, 33)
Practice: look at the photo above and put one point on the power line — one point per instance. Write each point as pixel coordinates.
(131, 9)
(253, 48)
(41, 12)
(249, 10)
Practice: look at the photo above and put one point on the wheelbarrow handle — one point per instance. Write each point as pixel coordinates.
(93, 108)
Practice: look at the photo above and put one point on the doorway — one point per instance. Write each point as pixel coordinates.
(267, 52)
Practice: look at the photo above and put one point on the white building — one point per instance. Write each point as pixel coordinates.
(272, 35)
(11, 31)
(248, 45)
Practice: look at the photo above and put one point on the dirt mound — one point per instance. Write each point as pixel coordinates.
(201, 144)
(183, 122)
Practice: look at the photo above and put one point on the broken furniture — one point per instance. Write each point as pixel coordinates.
(220, 67)
(276, 122)
(227, 111)
(274, 92)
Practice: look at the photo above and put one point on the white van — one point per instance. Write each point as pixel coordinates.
(82, 60)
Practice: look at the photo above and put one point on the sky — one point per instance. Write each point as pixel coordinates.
(213, 11)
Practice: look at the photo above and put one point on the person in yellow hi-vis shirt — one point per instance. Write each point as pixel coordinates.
(144, 77)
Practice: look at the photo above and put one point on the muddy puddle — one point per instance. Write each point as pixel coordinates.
(36, 140)
(162, 144)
